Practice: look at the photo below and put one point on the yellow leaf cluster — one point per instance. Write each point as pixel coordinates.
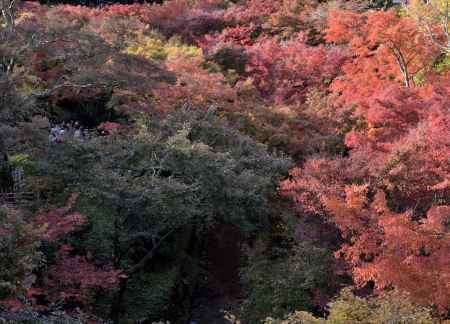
(158, 49)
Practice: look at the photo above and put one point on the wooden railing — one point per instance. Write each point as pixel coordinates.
(18, 198)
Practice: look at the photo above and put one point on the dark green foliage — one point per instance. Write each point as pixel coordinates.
(380, 4)
(32, 317)
(149, 295)
(11, 103)
(16, 118)
(142, 191)
(19, 254)
(279, 285)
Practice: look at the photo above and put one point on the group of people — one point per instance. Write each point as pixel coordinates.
(61, 131)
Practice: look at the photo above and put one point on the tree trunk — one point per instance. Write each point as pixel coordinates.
(116, 307)
(8, 8)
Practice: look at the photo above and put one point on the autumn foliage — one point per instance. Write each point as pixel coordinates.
(71, 278)
(357, 99)
(389, 197)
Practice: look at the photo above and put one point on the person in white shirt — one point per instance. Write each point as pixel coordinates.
(77, 133)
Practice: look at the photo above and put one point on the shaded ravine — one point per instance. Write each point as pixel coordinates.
(219, 288)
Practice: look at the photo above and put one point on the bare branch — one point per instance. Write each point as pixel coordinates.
(138, 266)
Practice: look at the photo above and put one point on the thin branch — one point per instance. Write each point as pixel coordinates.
(79, 87)
(138, 266)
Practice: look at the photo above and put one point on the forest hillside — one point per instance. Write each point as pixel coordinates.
(225, 161)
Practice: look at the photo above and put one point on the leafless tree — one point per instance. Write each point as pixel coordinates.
(8, 10)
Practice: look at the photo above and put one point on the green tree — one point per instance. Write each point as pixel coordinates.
(350, 309)
(278, 285)
(19, 255)
(188, 171)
